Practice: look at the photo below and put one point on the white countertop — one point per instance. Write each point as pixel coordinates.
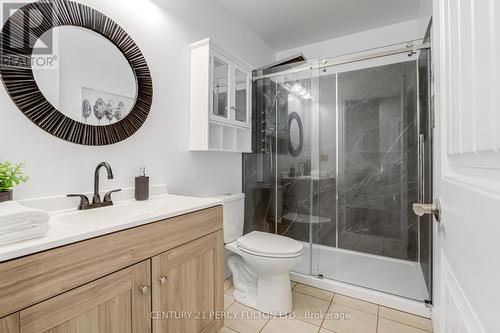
(70, 226)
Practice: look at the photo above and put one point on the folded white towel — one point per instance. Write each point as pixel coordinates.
(13, 213)
(19, 227)
(33, 231)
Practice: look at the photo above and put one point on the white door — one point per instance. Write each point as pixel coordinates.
(466, 48)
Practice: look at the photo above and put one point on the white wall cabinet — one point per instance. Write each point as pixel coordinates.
(221, 100)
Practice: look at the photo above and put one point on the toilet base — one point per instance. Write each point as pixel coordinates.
(252, 301)
(245, 299)
(270, 294)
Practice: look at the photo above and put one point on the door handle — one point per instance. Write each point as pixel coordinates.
(435, 209)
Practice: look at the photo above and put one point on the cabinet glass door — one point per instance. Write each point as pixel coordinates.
(220, 86)
(241, 97)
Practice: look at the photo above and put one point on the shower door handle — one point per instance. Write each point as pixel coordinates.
(434, 209)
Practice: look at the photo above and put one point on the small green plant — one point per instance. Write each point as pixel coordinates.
(11, 175)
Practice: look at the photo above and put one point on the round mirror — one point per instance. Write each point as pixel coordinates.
(94, 87)
(295, 134)
(90, 81)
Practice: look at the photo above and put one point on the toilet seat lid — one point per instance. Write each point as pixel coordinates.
(269, 244)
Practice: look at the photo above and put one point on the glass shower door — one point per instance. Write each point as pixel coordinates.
(296, 157)
(325, 236)
(278, 180)
(377, 243)
(339, 157)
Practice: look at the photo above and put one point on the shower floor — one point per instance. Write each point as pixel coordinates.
(392, 276)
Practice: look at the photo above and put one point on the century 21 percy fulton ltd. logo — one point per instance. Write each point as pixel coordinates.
(21, 45)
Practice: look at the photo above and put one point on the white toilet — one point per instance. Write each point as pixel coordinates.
(261, 262)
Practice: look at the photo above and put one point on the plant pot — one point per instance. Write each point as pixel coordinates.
(6, 196)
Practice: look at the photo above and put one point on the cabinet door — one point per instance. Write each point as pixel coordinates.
(117, 303)
(240, 102)
(220, 97)
(188, 286)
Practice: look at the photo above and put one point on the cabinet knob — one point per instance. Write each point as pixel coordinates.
(144, 290)
(163, 279)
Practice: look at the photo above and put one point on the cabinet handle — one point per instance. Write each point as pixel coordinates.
(163, 279)
(233, 108)
(144, 290)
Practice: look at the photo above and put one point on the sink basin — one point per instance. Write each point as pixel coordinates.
(130, 211)
(107, 214)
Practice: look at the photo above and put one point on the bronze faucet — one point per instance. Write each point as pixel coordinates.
(96, 199)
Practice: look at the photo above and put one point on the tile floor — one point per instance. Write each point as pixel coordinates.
(320, 311)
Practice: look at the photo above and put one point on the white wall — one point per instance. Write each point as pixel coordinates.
(392, 34)
(163, 30)
(426, 11)
(425, 8)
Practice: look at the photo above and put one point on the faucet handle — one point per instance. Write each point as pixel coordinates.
(84, 201)
(107, 196)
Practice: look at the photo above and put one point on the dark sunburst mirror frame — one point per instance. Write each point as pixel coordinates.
(18, 78)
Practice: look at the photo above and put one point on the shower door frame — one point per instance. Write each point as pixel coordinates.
(410, 48)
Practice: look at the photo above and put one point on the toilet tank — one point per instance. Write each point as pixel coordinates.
(234, 215)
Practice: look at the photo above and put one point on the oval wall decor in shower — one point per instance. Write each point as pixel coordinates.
(123, 115)
(295, 131)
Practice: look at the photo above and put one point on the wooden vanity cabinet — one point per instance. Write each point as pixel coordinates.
(179, 289)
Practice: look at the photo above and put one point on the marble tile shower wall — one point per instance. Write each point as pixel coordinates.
(259, 194)
(377, 164)
(378, 160)
(299, 211)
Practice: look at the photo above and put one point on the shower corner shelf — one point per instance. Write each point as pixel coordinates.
(221, 95)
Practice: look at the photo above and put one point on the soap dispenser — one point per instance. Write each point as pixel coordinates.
(142, 185)
(292, 172)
